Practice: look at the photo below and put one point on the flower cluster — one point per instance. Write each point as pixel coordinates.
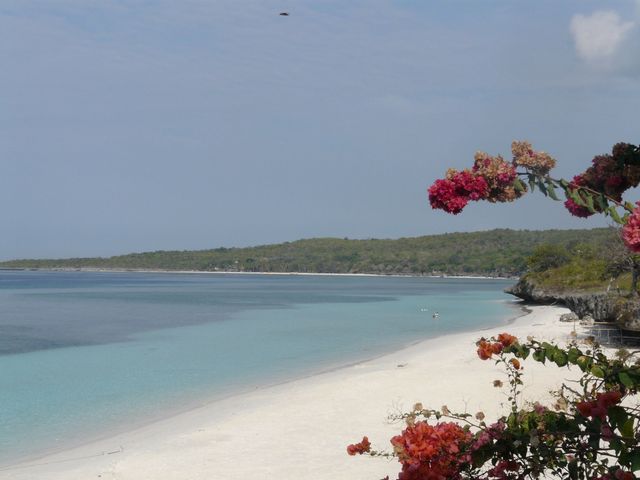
(525, 156)
(631, 230)
(452, 193)
(500, 176)
(599, 407)
(577, 210)
(487, 436)
(491, 178)
(487, 349)
(431, 451)
(502, 469)
(611, 175)
(359, 448)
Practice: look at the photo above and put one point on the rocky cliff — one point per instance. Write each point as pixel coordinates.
(601, 306)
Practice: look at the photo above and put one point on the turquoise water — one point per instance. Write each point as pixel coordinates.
(82, 354)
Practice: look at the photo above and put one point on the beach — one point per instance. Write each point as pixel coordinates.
(300, 429)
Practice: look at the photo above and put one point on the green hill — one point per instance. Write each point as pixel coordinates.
(493, 252)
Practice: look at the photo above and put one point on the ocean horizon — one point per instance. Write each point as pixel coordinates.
(87, 354)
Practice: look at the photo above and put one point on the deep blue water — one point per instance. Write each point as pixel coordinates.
(84, 353)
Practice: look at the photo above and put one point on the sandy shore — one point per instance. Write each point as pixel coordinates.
(299, 430)
(225, 272)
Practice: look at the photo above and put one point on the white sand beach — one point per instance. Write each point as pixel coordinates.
(300, 430)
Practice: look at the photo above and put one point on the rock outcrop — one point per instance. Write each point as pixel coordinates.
(601, 306)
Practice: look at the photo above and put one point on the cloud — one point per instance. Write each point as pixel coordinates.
(599, 36)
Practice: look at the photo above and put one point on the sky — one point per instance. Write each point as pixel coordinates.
(138, 125)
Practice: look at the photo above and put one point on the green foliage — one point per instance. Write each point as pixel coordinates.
(494, 253)
(574, 275)
(582, 266)
(548, 256)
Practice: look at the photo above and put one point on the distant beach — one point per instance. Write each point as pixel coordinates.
(232, 272)
(300, 429)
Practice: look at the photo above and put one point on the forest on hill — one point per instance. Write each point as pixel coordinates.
(499, 252)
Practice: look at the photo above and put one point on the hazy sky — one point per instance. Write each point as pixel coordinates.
(131, 125)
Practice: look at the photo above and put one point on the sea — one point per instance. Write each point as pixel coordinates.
(87, 354)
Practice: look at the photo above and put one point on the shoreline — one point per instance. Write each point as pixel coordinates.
(199, 433)
(225, 272)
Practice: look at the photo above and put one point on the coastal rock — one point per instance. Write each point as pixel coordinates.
(592, 306)
(569, 317)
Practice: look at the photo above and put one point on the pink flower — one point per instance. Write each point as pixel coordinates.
(452, 194)
(631, 231)
(577, 210)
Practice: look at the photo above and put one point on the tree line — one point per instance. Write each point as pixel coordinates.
(499, 252)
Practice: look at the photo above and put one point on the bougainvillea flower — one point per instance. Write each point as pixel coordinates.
(525, 156)
(507, 340)
(443, 196)
(431, 451)
(599, 407)
(452, 193)
(359, 448)
(577, 210)
(631, 230)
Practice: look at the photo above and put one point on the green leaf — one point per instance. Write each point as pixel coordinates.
(550, 352)
(551, 190)
(627, 428)
(575, 196)
(518, 185)
(590, 205)
(584, 363)
(626, 379)
(573, 470)
(614, 215)
(602, 203)
(597, 371)
(560, 358)
(542, 187)
(618, 416)
(532, 183)
(539, 356)
(523, 352)
(635, 461)
(573, 355)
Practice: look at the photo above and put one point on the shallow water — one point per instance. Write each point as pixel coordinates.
(82, 354)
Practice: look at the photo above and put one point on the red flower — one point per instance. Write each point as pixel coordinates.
(577, 210)
(443, 195)
(598, 408)
(484, 350)
(431, 451)
(622, 475)
(452, 194)
(359, 448)
(507, 340)
(487, 349)
(501, 469)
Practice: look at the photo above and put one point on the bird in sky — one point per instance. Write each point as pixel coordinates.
(284, 14)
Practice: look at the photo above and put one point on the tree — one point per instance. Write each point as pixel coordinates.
(548, 256)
